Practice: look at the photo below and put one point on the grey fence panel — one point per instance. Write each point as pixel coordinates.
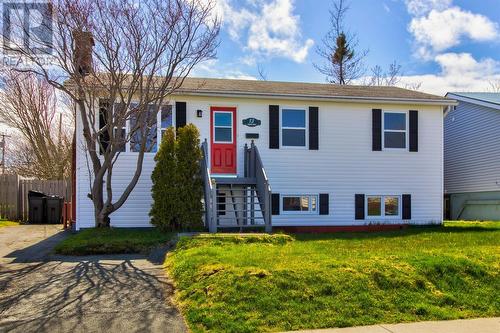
(14, 194)
(9, 185)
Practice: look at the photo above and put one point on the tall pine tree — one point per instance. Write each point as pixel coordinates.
(177, 185)
(164, 213)
(188, 170)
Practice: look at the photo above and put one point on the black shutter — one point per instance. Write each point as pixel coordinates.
(406, 206)
(180, 114)
(324, 204)
(359, 201)
(376, 129)
(313, 128)
(274, 127)
(413, 130)
(103, 120)
(275, 204)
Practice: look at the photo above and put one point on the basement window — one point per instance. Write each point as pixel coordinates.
(300, 204)
(379, 206)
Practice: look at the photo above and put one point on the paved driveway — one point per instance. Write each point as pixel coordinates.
(44, 293)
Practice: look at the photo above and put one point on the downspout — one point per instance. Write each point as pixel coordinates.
(73, 174)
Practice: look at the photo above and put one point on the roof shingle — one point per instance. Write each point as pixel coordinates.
(317, 90)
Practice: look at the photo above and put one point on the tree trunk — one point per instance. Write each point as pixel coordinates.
(102, 221)
(101, 215)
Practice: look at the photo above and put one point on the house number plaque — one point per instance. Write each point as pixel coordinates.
(251, 122)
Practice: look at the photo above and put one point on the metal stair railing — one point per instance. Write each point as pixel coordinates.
(255, 168)
(209, 191)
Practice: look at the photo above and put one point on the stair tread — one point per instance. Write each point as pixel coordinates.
(235, 181)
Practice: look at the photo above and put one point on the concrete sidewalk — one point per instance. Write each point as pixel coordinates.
(480, 325)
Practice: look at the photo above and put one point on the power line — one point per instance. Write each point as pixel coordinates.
(3, 145)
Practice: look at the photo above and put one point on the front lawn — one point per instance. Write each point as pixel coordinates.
(112, 241)
(238, 284)
(7, 223)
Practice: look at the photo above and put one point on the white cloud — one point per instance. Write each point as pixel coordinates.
(421, 7)
(459, 72)
(463, 64)
(438, 26)
(266, 28)
(214, 69)
(441, 30)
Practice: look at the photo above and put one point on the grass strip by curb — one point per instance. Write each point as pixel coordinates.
(112, 241)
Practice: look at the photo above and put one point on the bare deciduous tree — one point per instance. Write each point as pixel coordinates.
(343, 62)
(391, 77)
(141, 54)
(42, 148)
(412, 85)
(262, 72)
(494, 86)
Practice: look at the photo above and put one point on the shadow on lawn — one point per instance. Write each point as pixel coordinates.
(409, 231)
(83, 296)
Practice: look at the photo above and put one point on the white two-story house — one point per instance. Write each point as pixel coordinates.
(326, 157)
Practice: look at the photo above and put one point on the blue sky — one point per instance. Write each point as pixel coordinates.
(446, 45)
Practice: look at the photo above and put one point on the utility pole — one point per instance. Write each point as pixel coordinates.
(3, 145)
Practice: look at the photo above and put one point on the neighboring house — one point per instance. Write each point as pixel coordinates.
(331, 155)
(472, 157)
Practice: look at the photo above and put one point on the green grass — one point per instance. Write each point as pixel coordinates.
(237, 284)
(112, 241)
(7, 223)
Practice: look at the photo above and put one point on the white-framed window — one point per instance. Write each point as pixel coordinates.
(152, 130)
(121, 131)
(293, 127)
(395, 130)
(165, 119)
(223, 127)
(383, 206)
(299, 204)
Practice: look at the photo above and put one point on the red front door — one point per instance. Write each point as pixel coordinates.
(223, 141)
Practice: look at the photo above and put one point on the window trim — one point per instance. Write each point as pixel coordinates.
(128, 151)
(231, 127)
(291, 212)
(305, 128)
(406, 130)
(158, 121)
(382, 208)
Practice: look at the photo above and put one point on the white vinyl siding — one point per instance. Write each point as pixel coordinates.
(343, 166)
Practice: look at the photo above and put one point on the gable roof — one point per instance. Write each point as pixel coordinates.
(489, 99)
(296, 90)
(324, 91)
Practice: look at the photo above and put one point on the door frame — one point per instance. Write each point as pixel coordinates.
(233, 143)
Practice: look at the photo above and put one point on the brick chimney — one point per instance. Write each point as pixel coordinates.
(82, 54)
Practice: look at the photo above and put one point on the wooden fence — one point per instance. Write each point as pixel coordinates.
(14, 194)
